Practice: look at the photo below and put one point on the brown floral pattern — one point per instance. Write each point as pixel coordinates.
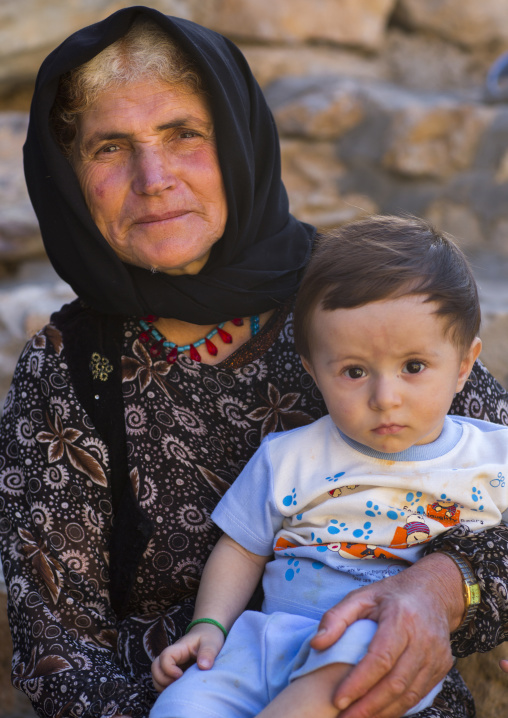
(190, 430)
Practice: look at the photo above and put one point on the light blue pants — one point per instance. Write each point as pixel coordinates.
(262, 655)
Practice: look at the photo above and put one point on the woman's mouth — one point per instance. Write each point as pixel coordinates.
(163, 217)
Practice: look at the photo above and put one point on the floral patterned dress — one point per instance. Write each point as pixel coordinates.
(190, 429)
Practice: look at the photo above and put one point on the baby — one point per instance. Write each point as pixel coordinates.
(386, 322)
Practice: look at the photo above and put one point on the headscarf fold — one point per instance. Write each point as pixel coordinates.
(258, 262)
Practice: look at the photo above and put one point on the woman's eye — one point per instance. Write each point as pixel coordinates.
(108, 149)
(354, 372)
(414, 367)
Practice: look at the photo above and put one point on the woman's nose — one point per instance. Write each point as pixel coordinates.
(153, 172)
(384, 394)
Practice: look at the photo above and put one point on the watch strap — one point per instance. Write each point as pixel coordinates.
(470, 587)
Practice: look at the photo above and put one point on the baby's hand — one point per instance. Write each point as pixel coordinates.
(504, 664)
(201, 644)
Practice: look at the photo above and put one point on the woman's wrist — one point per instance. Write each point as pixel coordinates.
(444, 578)
(470, 587)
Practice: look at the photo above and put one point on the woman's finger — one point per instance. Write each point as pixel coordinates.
(358, 604)
(405, 660)
(398, 690)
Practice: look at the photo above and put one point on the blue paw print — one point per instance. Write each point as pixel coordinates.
(336, 477)
(394, 512)
(319, 541)
(477, 496)
(372, 509)
(336, 529)
(413, 498)
(291, 572)
(364, 533)
(290, 499)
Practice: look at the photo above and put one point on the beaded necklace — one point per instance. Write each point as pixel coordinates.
(173, 350)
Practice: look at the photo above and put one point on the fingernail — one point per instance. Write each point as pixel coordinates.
(321, 631)
(344, 703)
(205, 663)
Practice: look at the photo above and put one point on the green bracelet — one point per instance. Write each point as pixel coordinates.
(207, 620)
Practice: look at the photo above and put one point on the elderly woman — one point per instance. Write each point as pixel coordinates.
(153, 165)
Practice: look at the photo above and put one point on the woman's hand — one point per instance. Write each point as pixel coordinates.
(201, 644)
(415, 610)
(504, 664)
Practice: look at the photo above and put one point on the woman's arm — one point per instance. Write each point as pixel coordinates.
(55, 518)
(229, 579)
(416, 610)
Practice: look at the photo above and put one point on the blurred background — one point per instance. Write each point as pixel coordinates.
(381, 105)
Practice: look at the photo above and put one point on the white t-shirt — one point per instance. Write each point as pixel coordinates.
(323, 504)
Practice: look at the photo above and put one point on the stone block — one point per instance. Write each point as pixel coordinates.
(435, 136)
(360, 23)
(429, 63)
(312, 177)
(19, 231)
(30, 30)
(25, 306)
(322, 109)
(269, 63)
(467, 22)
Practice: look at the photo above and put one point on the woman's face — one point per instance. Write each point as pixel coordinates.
(146, 159)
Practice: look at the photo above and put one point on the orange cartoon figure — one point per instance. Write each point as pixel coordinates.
(414, 531)
(444, 511)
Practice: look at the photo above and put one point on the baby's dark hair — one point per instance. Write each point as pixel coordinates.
(383, 257)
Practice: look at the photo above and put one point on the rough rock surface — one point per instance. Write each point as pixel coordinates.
(466, 22)
(381, 108)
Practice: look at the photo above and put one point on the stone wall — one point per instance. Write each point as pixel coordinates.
(380, 105)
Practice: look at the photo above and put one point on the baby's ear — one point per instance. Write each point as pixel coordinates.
(467, 362)
(308, 367)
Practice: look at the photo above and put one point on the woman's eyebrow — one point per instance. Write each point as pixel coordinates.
(111, 135)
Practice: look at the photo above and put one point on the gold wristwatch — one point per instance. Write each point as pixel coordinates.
(471, 588)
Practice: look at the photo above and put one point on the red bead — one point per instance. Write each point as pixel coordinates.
(144, 337)
(150, 318)
(194, 354)
(238, 322)
(172, 356)
(225, 336)
(157, 348)
(212, 349)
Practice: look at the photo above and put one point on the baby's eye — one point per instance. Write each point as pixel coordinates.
(414, 367)
(354, 372)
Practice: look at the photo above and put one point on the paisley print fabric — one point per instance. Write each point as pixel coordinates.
(190, 430)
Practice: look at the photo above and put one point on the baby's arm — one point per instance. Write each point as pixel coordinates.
(229, 579)
(310, 695)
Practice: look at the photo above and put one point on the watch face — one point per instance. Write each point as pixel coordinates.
(475, 594)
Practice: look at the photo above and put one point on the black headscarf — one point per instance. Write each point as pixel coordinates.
(257, 263)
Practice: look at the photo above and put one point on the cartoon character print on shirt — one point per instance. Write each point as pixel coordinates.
(414, 531)
(444, 511)
(339, 491)
(360, 551)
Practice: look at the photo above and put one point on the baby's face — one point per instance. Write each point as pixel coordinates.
(388, 371)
